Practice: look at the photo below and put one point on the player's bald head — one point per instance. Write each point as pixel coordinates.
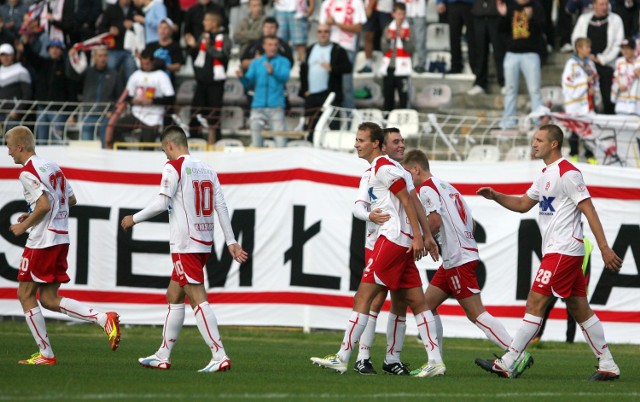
(22, 135)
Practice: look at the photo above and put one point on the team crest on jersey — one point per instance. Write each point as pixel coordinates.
(546, 187)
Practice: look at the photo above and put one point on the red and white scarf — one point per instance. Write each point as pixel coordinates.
(78, 60)
(403, 58)
(218, 68)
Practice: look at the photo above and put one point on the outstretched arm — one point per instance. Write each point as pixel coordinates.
(514, 203)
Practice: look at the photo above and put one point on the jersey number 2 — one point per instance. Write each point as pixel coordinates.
(203, 191)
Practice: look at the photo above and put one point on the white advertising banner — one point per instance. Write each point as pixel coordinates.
(291, 209)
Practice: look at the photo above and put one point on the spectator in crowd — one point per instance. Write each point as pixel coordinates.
(33, 34)
(267, 76)
(628, 12)
(486, 26)
(526, 23)
(293, 18)
(148, 91)
(12, 13)
(579, 86)
(255, 49)
(51, 85)
(396, 65)
(167, 50)
(606, 32)
(417, 17)
(250, 27)
(568, 12)
(210, 60)
(345, 17)
(625, 90)
(176, 14)
(459, 15)
(79, 19)
(117, 19)
(15, 83)
(6, 35)
(378, 14)
(321, 74)
(153, 12)
(195, 15)
(100, 85)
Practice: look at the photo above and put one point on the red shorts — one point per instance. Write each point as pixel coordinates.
(460, 282)
(44, 265)
(188, 268)
(391, 266)
(561, 276)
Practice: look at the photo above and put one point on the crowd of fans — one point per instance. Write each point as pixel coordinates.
(128, 52)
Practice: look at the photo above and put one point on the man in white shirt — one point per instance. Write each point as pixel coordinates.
(562, 197)
(191, 192)
(43, 266)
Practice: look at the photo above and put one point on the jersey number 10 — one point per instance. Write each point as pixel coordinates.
(203, 191)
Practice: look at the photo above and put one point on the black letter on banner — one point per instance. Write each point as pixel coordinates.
(127, 246)
(7, 271)
(481, 271)
(243, 223)
(356, 252)
(529, 241)
(295, 254)
(84, 214)
(627, 238)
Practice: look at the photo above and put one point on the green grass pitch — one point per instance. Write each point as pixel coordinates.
(274, 365)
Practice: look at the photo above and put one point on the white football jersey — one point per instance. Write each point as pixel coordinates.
(40, 176)
(558, 191)
(456, 231)
(195, 194)
(387, 179)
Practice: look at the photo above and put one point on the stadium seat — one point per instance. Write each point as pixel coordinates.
(552, 97)
(484, 153)
(229, 145)
(438, 36)
(373, 98)
(299, 144)
(518, 153)
(406, 120)
(432, 96)
(231, 119)
(338, 140)
(234, 93)
(368, 114)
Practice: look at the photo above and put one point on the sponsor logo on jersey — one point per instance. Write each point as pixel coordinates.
(188, 171)
(546, 205)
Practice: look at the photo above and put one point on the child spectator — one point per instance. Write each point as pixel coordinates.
(579, 86)
(625, 88)
(396, 64)
(210, 61)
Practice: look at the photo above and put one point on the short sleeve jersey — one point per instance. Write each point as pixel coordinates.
(385, 181)
(344, 12)
(456, 231)
(149, 85)
(194, 190)
(559, 190)
(40, 176)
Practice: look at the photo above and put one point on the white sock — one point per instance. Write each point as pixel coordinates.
(75, 309)
(208, 327)
(529, 328)
(439, 331)
(172, 326)
(355, 328)
(428, 333)
(494, 330)
(366, 339)
(593, 332)
(38, 328)
(396, 328)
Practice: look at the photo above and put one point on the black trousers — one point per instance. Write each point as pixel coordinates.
(605, 76)
(487, 31)
(313, 109)
(391, 84)
(207, 101)
(459, 15)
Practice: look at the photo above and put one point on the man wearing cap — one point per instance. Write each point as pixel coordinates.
(51, 85)
(15, 83)
(167, 50)
(626, 84)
